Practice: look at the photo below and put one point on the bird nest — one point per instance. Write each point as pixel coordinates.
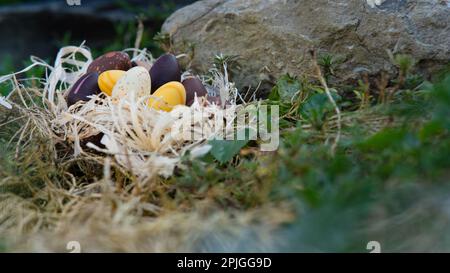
(140, 140)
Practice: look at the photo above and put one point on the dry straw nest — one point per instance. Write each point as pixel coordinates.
(110, 202)
(142, 140)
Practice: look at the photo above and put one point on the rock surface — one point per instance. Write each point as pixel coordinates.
(273, 37)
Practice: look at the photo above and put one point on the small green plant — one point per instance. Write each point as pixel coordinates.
(405, 63)
(163, 41)
(362, 92)
(316, 108)
(327, 62)
(230, 61)
(225, 150)
(286, 90)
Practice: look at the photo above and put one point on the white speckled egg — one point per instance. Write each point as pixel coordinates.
(136, 82)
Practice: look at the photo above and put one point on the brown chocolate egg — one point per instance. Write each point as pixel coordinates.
(85, 86)
(114, 60)
(165, 69)
(193, 86)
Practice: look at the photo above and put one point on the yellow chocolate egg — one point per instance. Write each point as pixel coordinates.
(108, 79)
(168, 96)
(135, 84)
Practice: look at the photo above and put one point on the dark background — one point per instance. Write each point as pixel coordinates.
(40, 28)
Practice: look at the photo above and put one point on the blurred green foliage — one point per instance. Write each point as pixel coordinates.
(7, 67)
(394, 171)
(125, 36)
(390, 185)
(126, 32)
(7, 2)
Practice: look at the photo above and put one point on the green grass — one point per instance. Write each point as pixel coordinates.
(387, 180)
(357, 195)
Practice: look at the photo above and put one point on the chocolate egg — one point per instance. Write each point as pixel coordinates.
(214, 100)
(136, 82)
(168, 96)
(85, 86)
(95, 139)
(165, 69)
(193, 86)
(114, 60)
(108, 79)
(146, 65)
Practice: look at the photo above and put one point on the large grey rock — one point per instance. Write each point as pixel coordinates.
(272, 37)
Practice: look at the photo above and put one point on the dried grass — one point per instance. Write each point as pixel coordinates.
(141, 139)
(107, 198)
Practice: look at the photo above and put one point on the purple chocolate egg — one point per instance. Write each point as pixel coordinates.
(85, 86)
(165, 69)
(193, 86)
